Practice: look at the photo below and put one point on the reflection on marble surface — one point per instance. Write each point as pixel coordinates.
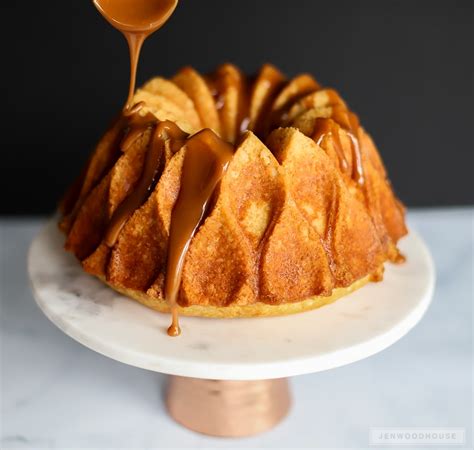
(55, 393)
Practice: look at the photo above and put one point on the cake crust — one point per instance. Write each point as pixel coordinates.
(291, 227)
(233, 311)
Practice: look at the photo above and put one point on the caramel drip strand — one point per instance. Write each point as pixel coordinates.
(136, 19)
(341, 117)
(135, 129)
(135, 109)
(324, 127)
(357, 167)
(174, 329)
(135, 42)
(206, 160)
(350, 122)
(154, 162)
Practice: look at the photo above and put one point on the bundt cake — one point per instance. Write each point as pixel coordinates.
(292, 208)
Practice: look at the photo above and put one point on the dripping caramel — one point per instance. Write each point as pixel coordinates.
(206, 160)
(154, 163)
(136, 20)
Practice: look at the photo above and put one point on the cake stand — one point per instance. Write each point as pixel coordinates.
(229, 375)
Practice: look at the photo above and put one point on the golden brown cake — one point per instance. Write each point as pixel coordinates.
(303, 215)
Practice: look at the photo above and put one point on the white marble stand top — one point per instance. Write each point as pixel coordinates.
(350, 329)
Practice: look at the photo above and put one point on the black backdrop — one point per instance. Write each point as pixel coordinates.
(404, 66)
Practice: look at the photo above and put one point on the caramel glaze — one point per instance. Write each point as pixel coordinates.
(341, 117)
(136, 19)
(206, 160)
(324, 127)
(154, 163)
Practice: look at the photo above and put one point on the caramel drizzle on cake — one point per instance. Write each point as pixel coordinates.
(154, 163)
(205, 117)
(206, 160)
(330, 127)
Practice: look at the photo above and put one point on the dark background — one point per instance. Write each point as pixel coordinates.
(406, 67)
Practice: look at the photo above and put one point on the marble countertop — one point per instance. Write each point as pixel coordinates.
(57, 394)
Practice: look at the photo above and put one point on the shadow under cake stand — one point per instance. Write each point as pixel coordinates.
(229, 375)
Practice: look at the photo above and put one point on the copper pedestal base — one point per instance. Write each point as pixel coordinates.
(228, 408)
